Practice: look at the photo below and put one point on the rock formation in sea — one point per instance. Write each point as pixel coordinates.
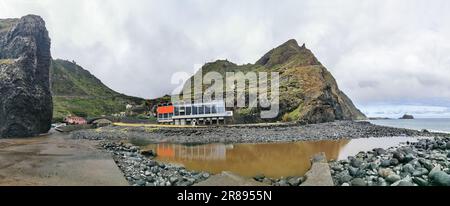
(26, 100)
(407, 116)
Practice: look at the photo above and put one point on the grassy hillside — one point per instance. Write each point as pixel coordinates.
(76, 91)
(308, 91)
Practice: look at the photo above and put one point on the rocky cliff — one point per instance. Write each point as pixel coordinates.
(308, 91)
(25, 101)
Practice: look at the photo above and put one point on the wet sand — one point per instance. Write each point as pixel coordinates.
(55, 159)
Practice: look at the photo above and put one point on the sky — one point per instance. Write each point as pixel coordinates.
(389, 56)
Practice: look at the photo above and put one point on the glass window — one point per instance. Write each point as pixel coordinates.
(207, 109)
(214, 109)
(177, 110)
(221, 109)
(194, 110)
(182, 110)
(201, 109)
(188, 110)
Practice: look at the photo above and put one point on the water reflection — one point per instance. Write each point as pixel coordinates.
(199, 152)
(367, 144)
(273, 160)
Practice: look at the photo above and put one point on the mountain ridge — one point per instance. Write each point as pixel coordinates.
(308, 91)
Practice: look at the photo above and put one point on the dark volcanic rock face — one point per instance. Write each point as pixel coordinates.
(25, 101)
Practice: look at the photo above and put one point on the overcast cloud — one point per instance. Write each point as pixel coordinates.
(390, 56)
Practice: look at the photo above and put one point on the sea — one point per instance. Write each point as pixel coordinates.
(430, 124)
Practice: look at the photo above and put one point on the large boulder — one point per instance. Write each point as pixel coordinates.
(25, 101)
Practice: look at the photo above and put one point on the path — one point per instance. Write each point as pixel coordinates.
(56, 160)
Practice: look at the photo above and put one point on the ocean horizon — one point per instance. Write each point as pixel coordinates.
(430, 124)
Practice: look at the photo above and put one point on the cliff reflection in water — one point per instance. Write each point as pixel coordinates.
(272, 159)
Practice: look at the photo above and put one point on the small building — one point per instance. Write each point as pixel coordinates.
(128, 106)
(101, 122)
(75, 120)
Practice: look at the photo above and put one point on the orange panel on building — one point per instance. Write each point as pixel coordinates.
(165, 109)
(165, 151)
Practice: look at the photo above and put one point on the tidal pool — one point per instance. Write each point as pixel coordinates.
(271, 159)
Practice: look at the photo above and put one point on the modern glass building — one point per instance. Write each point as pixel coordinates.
(182, 113)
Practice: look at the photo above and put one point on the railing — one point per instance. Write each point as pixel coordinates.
(192, 116)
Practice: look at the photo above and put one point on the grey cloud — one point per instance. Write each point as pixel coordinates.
(379, 51)
(365, 84)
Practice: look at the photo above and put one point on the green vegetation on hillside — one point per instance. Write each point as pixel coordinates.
(6, 24)
(76, 91)
(7, 61)
(308, 92)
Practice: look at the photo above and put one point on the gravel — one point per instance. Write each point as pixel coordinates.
(143, 170)
(250, 134)
(421, 163)
(410, 165)
(283, 181)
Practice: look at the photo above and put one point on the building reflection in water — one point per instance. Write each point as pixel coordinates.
(270, 159)
(199, 152)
